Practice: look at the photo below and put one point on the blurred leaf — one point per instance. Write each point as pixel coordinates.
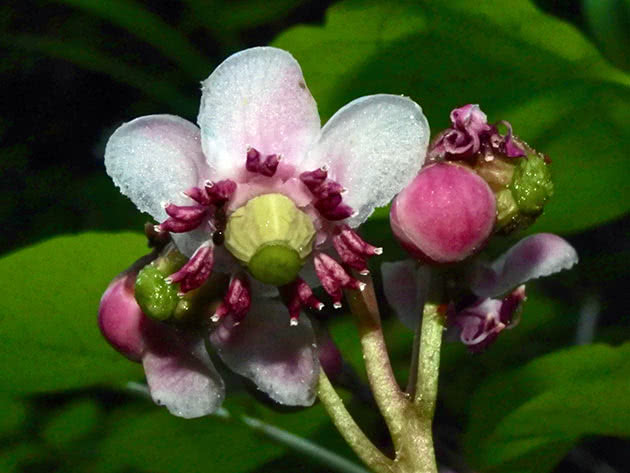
(93, 60)
(526, 420)
(609, 22)
(518, 63)
(13, 414)
(154, 440)
(48, 307)
(73, 422)
(222, 15)
(150, 28)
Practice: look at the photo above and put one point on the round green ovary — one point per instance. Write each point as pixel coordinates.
(275, 264)
(271, 236)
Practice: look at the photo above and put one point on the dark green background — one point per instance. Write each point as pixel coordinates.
(73, 70)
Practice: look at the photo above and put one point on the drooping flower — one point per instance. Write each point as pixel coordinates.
(498, 286)
(260, 187)
(179, 371)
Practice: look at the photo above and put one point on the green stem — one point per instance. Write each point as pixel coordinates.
(391, 401)
(429, 360)
(304, 446)
(349, 429)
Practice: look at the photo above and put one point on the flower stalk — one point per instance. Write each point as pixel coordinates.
(408, 416)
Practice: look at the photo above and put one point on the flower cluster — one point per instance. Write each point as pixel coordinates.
(477, 182)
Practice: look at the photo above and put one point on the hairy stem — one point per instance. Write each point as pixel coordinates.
(349, 429)
(391, 401)
(429, 360)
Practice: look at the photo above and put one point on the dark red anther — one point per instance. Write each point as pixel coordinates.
(255, 163)
(334, 278)
(186, 213)
(313, 179)
(341, 212)
(355, 242)
(297, 295)
(327, 195)
(252, 162)
(220, 192)
(196, 271)
(174, 225)
(328, 203)
(349, 256)
(198, 195)
(237, 300)
(269, 165)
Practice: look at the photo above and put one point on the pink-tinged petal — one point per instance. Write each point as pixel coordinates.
(481, 323)
(405, 285)
(373, 147)
(187, 243)
(153, 159)
(538, 255)
(180, 374)
(256, 98)
(279, 358)
(120, 318)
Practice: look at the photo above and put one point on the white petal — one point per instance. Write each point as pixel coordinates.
(535, 256)
(180, 374)
(154, 158)
(405, 285)
(281, 359)
(256, 98)
(373, 146)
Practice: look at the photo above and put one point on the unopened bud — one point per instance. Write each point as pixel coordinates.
(120, 318)
(445, 215)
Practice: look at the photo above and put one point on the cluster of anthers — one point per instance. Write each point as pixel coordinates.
(210, 211)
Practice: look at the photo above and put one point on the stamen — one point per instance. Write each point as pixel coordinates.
(186, 213)
(196, 271)
(174, 225)
(255, 163)
(352, 249)
(220, 192)
(237, 300)
(297, 295)
(198, 195)
(333, 277)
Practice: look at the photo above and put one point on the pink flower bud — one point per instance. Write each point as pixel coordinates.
(120, 318)
(445, 215)
(330, 357)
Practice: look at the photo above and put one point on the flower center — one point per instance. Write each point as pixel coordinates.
(271, 236)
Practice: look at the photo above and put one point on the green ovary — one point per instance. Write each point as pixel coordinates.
(271, 236)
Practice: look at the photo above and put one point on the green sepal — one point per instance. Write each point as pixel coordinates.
(157, 298)
(531, 184)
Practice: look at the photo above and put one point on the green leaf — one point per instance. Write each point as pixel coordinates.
(151, 28)
(521, 65)
(94, 60)
(526, 420)
(48, 306)
(154, 440)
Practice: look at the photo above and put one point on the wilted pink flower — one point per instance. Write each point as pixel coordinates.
(444, 215)
(259, 185)
(479, 324)
(470, 134)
